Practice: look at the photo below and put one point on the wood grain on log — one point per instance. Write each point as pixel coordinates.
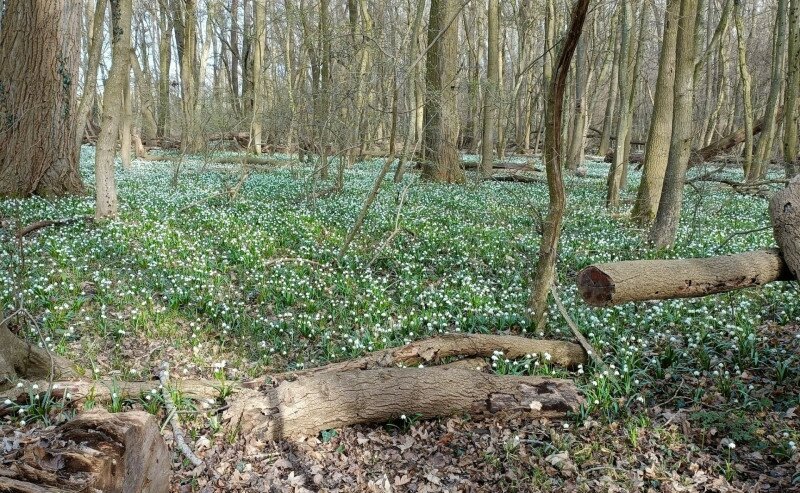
(784, 212)
(615, 283)
(97, 451)
(332, 400)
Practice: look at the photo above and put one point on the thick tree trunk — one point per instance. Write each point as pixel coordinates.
(441, 105)
(164, 64)
(39, 58)
(615, 172)
(118, 78)
(259, 84)
(97, 451)
(660, 133)
(784, 211)
(639, 280)
(332, 400)
(747, 98)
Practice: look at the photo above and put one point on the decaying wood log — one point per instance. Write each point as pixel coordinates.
(95, 452)
(784, 212)
(633, 158)
(615, 283)
(518, 178)
(254, 160)
(331, 400)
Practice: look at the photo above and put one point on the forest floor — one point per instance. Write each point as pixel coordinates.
(704, 395)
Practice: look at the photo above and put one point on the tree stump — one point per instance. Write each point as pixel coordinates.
(784, 211)
(97, 451)
(21, 359)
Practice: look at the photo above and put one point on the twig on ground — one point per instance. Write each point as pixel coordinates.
(587, 346)
(172, 414)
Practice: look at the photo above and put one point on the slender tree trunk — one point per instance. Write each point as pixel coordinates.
(747, 98)
(441, 106)
(39, 57)
(614, 181)
(145, 90)
(660, 133)
(164, 64)
(259, 48)
(764, 148)
(234, 49)
(575, 154)
(490, 96)
(611, 103)
(126, 124)
(792, 94)
(548, 248)
(665, 229)
(90, 76)
(118, 78)
(186, 39)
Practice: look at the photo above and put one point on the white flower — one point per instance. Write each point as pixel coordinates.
(7, 402)
(731, 445)
(403, 417)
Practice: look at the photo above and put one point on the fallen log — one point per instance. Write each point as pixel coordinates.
(784, 212)
(97, 451)
(615, 283)
(518, 178)
(255, 160)
(323, 401)
(633, 158)
(709, 152)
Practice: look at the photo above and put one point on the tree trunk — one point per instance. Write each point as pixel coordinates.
(39, 58)
(441, 105)
(714, 149)
(144, 86)
(164, 63)
(764, 149)
(490, 95)
(118, 78)
(97, 451)
(660, 133)
(185, 19)
(616, 283)
(665, 228)
(611, 101)
(792, 93)
(259, 48)
(551, 234)
(784, 211)
(126, 126)
(747, 98)
(90, 77)
(576, 153)
(332, 400)
(615, 172)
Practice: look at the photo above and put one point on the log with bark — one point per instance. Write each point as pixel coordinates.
(378, 387)
(95, 452)
(615, 283)
(784, 212)
(323, 401)
(20, 359)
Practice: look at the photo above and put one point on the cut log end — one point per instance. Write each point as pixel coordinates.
(595, 286)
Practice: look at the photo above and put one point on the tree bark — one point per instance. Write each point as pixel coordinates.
(660, 133)
(665, 228)
(711, 151)
(90, 77)
(764, 148)
(616, 283)
(615, 172)
(784, 211)
(792, 93)
(490, 95)
(441, 105)
(118, 78)
(39, 59)
(97, 451)
(332, 400)
(164, 63)
(746, 82)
